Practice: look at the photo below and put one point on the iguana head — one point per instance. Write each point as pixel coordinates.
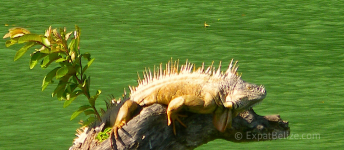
(244, 95)
(237, 96)
(240, 95)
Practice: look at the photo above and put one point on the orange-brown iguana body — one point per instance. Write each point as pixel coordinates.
(199, 91)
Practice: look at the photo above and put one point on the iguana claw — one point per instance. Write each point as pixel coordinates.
(171, 120)
(114, 132)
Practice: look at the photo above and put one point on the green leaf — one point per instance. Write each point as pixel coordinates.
(76, 61)
(98, 92)
(59, 90)
(75, 80)
(86, 84)
(49, 59)
(61, 72)
(64, 71)
(76, 45)
(30, 38)
(23, 50)
(80, 110)
(87, 56)
(45, 41)
(71, 87)
(78, 92)
(90, 120)
(60, 95)
(89, 112)
(60, 60)
(11, 42)
(68, 102)
(84, 77)
(70, 96)
(88, 65)
(45, 50)
(93, 99)
(35, 57)
(71, 45)
(49, 77)
(75, 114)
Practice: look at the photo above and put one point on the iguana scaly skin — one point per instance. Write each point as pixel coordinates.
(224, 94)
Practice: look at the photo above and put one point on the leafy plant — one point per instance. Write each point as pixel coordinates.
(61, 47)
(103, 135)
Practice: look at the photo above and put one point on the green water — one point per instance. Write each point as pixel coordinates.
(294, 48)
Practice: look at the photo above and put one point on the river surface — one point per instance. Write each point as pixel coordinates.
(294, 48)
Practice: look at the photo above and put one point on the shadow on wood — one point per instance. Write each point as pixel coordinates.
(149, 130)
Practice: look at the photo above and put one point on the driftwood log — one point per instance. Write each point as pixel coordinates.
(149, 130)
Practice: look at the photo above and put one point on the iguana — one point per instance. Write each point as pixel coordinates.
(205, 91)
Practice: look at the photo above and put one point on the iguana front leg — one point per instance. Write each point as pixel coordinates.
(190, 103)
(124, 115)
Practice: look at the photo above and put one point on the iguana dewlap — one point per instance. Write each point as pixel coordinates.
(204, 91)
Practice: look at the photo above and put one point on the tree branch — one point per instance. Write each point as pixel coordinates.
(149, 130)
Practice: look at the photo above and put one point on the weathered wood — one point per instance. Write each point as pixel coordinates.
(149, 130)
